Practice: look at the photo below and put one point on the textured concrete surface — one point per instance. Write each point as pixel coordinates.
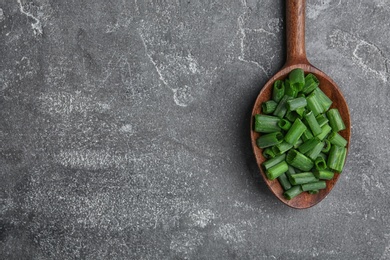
(124, 130)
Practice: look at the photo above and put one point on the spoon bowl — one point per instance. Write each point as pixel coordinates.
(296, 58)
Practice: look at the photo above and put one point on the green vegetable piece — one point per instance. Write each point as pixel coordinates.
(268, 140)
(322, 120)
(308, 145)
(313, 124)
(313, 153)
(294, 104)
(290, 90)
(281, 148)
(327, 146)
(293, 192)
(325, 130)
(284, 182)
(307, 135)
(268, 153)
(323, 99)
(297, 78)
(337, 139)
(281, 109)
(268, 107)
(320, 164)
(298, 160)
(335, 120)
(278, 91)
(319, 185)
(323, 174)
(336, 158)
(277, 170)
(284, 124)
(274, 161)
(266, 124)
(314, 104)
(311, 83)
(295, 132)
(302, 178)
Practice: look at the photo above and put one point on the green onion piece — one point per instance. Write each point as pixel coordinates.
(294, 104)
(313, 124)
(300, 94)
(277, 170)
(337, 139)
(313, 103)
(302, 178)
(293, 192)
(283, 180)
(290, 90)
(281, 109)
(311, 83)
(313, 191)
(326, 129)
(324, 174)
(336, 158)
(320, 164)
(291, 115)
(297, 144)
(308, 145)
(268, 153)
(290, 172)
(295, 132)
(335, 120)
(268, 140)
(297, 78)
(323, 99)
(278, 91)
(284, 124)
(313, 153)
(323, 156)
(319, 185)
(281, 148)
(274, 161)
(298, 160)
(300, 111)
(266, 124)
(268, 107)
(327, 146)
(307, 135)
(322, 120)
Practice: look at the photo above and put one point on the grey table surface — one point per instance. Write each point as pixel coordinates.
(124, 130)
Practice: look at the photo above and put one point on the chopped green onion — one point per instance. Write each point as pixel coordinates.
(284, 124)
(293, 192)
(277, 170)
(308, 145)
(307, 135)
(281, 148)
(326, 129)
(314, 104)
(274, 161)
(297, 78)
(311, 83)
(294, 104)
(337, 139)
(302, 178)
(290, 90)
(268, 153)
(313, 153)
(295, 132)
(335, 120)
(320, 163)
(324, 174)
(268, 140)
(323, 99)
(336, 158)
(319, 185)
(322, 120)
(268, 107)
(298, 160)
(327, 146)
(283, 180)
(281, 109)
(266, 124)
(323, 156)
(313, 124)
(278, 91)
(297, 144)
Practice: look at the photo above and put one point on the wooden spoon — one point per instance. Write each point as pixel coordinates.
(296, 58)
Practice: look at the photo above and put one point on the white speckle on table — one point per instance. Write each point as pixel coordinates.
(314, 10)
(36, 25)
(202, 217)
(128, 128)
(186, 242)
(230, 233)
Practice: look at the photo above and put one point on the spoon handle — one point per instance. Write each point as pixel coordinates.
(295, 30)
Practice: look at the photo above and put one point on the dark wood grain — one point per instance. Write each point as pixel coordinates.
(296, 58)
